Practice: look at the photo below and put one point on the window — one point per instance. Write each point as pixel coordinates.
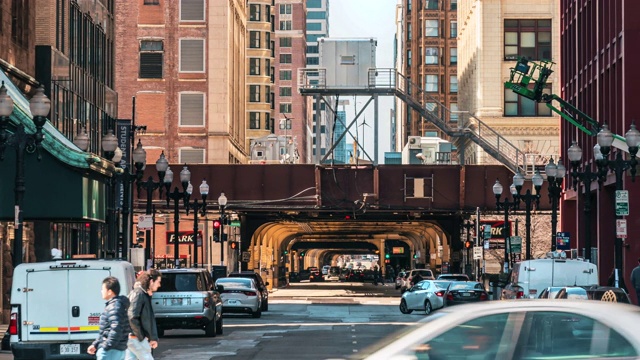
(191, 156)
(431, 56)
(151, 59)
(431, 83)
(285, 9)
(285, 74)
(285, 24)
(254, 120)
(515, 105)
(254, 93)
(431, 4)
(254, 66)
(454, 4)
(454, 111)
(267, 40)
(192, 10)
(285, 58)
(313, 49)
(408, 57)
(453, 29)
(267, 67)
(267, 94)
(431, 28)
(191, 55)
(285, 42)
(191, 109)
(409, 5)
(151, 2)
(285, 91)
(20, 22)
(285, 108)
(453, 84)
(453, 55)
(313, 38)
(254, 39)
(530, 39)
(267, 121)
(254, 12)
(314, 4)
(314, 27)
(316, 15)
(313, 61)
(408, 31)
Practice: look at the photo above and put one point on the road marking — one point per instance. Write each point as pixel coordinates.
(402, 323)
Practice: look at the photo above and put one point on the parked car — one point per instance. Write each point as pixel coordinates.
(187, 299)
(453, 277)
(427, 295)
(400, 279)
(333, 274)
(262, 285)
(325, 269)
(355, 276)
(600, 293)
(315, 274)
(240, 295)
(464, 292)
(426, 274)
(549, 292)
(522, 329)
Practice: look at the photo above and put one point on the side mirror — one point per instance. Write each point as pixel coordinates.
(220, 288)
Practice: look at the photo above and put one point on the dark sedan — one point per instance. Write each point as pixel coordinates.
(464, 292)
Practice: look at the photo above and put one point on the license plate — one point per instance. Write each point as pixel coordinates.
(69, 349)
(233, 302)
(176, 302)
(466, 294)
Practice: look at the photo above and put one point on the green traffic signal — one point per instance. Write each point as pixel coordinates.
(387, 256)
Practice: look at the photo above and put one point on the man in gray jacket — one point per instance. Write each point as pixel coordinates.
(635, 280)
(144, 333)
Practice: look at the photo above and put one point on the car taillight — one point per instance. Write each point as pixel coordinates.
(250, 293)
(484, 296)
(440, 293)
(449, 296)
(13, 324)
(519, 294)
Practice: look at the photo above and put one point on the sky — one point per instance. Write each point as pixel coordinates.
(368, 19)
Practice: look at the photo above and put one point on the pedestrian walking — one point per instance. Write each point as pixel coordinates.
(416, 278)
(635, 280)
(114, 323)
(144, 333)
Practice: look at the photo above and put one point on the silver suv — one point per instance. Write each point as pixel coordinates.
(187, 299)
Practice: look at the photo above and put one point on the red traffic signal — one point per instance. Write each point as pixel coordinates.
(468, 244)
(217, 224)
(234, 245)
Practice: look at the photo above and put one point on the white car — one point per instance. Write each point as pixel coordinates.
(426, 274)
(425, 296)
(240, 295)
(518, 329)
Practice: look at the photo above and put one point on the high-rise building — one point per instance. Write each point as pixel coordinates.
(261, 69)
(290, 110)
(184, 63)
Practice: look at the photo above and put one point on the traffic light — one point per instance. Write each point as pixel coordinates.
(286, 252)
(415, 256)
(139, 238)
(387, 261)
(234, 245)
(302, 254)
(468, 244)
(387, 256)
(216, 237)
(217, 224)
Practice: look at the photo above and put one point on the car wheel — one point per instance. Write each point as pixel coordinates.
(257, 314)
(160, 332)
(403, 307)
(219, 326)
(210, 329)
(427, 307)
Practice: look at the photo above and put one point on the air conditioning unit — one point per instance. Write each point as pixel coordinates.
(414, 142)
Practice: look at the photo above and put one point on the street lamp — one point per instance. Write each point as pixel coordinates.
(618, 166)
(197, 208)
(21, 142)
(150, 185)
(585, 177)
(222, 202)
(555, 175)
(529, 199)
(505, 205)
(177, 195)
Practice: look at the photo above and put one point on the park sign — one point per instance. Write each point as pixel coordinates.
(622, 202)
(497, 228)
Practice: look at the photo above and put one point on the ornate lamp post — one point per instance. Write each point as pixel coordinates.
(162, 164)
(555, 175)
(618, 166)
(529, 199)
(585, 177)
(505, 205)
(21, 142)
(176, 196)
(197, 209)
(222, 202)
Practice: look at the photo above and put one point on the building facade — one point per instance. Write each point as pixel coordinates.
(507, 28)
(184, 63)
(261, 69)
(290, 110)
(599, 77)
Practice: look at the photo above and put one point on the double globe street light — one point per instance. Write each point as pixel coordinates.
(555, 176)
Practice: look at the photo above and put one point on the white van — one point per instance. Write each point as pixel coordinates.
(528, 278)
(56, 306)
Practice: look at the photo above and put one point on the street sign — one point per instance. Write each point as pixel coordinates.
(622, 202)
(477, 253)
(246, 256)
(516, 244)
(487, 243)
(563, 241)
(235, 223)
(145, 222)
(487, 231)
(621, 228)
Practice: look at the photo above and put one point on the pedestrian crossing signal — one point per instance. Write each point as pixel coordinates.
(234, 245)
(468, 244)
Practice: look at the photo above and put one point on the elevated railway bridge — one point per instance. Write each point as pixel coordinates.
(294, 216)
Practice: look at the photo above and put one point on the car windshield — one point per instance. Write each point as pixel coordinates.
(423, 273)
(181, 282)
(454, 277)
(466, 285)
(234, 282)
